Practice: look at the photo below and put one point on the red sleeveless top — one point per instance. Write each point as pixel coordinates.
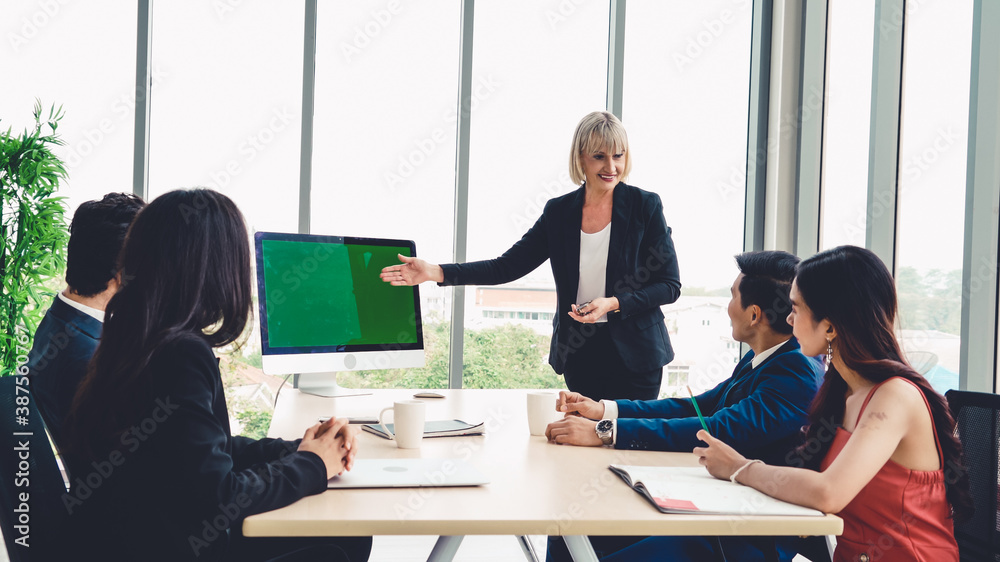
(901, 514)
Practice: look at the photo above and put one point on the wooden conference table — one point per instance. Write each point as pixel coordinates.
(536, 488)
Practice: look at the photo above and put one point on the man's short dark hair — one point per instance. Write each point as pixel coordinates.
(95, 239)
(767, 280)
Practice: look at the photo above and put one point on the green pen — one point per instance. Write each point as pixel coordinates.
(697, 410)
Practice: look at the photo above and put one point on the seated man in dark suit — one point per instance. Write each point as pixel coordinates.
(68, 334)
(760, 410)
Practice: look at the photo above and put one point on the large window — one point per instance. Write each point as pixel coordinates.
(847, 123)
(686, 94)
(82, 57)
(528, 95)
(384, 148)
(934, 133)
(227, 115)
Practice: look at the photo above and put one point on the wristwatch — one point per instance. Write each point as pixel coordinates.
(605, 431)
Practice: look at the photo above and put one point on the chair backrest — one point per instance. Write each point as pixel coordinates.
(31, 487)
(977, 417)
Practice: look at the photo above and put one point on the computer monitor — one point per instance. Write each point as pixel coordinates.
(324, 308)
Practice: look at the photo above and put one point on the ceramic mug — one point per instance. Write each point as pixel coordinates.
(541, 411)
(408, 421)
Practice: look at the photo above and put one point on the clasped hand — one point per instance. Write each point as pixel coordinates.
(335, 441)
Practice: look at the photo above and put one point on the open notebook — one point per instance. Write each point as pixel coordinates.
(693, 490)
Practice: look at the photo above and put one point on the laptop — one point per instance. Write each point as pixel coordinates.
(408, 473)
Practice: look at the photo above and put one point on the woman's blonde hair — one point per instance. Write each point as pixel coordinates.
(596, 132)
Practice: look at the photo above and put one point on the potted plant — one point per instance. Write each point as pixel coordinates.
(33, 224)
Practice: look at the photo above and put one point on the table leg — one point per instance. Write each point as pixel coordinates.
(580, 548)
(445, 548)
(527, 548)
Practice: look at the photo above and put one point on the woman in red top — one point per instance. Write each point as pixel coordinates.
(880, 437)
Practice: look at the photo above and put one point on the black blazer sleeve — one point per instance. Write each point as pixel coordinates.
(248, 452)
(521, 259)
(194, 449)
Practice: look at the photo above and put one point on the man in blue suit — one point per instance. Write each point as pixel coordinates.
(68, 334)
(760, 410)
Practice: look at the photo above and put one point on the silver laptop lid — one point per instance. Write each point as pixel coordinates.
(409, 473)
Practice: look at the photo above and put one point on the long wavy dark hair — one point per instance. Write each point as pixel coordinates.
(851, 287)
(185, 272)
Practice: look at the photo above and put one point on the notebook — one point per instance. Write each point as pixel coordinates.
(694, 490)
(409, 473)
(442, 428)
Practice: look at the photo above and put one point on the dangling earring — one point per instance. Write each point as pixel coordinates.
(829, 353)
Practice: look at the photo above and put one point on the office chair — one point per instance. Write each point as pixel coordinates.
(28, 466)
(977, 418)
(817, 548)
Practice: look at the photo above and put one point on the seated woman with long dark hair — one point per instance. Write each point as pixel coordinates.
(880, 440)
(156, 472)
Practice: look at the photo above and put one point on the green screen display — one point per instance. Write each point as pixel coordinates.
(329, 295)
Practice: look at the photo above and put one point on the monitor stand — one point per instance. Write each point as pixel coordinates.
(324, 384)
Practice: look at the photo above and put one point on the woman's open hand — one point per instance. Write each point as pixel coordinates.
(412, 271)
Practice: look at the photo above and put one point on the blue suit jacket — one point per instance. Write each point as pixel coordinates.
(642, 272)
(759, 412)
(64, 343)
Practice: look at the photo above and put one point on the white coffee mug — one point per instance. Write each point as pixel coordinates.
(408, 421)
(541, 411)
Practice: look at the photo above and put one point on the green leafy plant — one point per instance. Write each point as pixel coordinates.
(255, 423)
(33, 224)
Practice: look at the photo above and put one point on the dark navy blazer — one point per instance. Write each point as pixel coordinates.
(642, 272)
(759, 412)
(64, 343)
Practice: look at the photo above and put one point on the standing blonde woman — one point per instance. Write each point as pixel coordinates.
(614, 266)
